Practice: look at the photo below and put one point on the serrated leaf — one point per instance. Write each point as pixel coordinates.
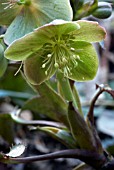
(16, 151)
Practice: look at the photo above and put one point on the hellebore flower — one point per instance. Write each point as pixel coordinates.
(26, 15)
(60, 45)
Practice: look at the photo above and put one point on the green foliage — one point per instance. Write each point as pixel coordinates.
(48, 48)
(49, 103)
(7, 128)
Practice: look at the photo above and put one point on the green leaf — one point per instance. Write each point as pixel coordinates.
(61, 135)
(89, 31)
(6, 128)
(87, 62)
(80, 130)
(39, 105)
(34, 72)
(49, 104)
(18, 85)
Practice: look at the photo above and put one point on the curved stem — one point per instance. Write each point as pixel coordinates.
(17, 119)
(90, 113)
(93, 159)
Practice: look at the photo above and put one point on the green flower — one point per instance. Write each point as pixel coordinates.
(60, 45)
(26, 15)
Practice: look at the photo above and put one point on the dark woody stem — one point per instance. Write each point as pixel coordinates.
(93, 159)
(90, 115)
(100, 89)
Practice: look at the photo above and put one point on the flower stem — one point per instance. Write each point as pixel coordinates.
(76, 96)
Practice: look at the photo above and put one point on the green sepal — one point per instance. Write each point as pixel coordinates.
(22, 24)
(87, 64)
(34, 72)
(89, 31)
(36, 47)
(8, 15)
(32, 42)
(33, 15)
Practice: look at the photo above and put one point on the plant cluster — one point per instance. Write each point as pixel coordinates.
(50, 44)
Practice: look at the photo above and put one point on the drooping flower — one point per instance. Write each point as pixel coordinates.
(60, 45)
(26, 15)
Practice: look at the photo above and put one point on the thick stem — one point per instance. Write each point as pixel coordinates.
(93, 159)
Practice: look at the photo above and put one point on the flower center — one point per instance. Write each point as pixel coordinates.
(12, 3)
(61, 55)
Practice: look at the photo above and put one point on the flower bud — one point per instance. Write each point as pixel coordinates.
(103, 11)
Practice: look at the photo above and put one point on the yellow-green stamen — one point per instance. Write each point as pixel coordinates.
(60, 54)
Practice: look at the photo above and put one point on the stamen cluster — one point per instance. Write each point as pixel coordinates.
(60, 54)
